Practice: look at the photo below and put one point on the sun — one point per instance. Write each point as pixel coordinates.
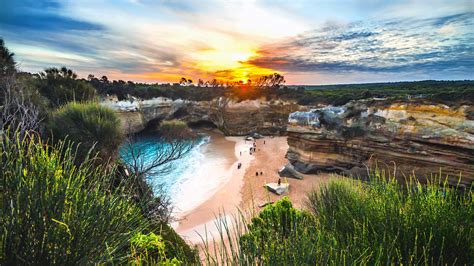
(229, 63)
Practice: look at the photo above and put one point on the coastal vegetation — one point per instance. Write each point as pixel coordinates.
(448, 92)
(349, 221)
(55, 212)
(92, 127)
(61, 85)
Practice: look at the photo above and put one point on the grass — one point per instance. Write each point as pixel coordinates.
(56, 212)
(353, 222)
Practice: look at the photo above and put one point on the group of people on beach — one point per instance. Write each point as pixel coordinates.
(252, 150)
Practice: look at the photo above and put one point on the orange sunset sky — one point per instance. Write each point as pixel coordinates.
(310, 42)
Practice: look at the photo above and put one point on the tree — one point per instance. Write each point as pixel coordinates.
(18, 113)
(7, 62)
(281, 235)
(183, 81)
(104, 79)
(61, 86)
(214, 83)
(200, 83)
(274, 80)
(174, 142)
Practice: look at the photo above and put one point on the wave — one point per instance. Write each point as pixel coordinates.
(188, 183)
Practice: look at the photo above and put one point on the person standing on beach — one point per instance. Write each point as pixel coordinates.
(279, 181)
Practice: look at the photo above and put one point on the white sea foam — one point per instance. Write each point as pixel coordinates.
(192, 179)
(200, 179)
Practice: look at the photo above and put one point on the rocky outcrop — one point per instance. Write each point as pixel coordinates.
(232, 118)
(289, 171)
(401, 138)
(276, 188)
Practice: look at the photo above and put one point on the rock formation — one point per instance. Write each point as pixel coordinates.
(401, 138)
(232, 118)
(289, 171)
(276, 188)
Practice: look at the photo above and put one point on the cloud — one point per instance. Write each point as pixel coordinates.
(158, 40)
(432, 45)
(40, 16)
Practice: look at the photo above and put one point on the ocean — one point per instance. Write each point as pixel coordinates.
(188, 181)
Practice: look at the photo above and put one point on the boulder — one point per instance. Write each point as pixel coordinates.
(277, 189)
(289, 171)
(256, 135)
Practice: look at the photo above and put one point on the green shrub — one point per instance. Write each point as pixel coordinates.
(54, 212)
(353, 222)
(150, 248)
(280, 235)
(90, 126)
(382, 221)
(61, 86)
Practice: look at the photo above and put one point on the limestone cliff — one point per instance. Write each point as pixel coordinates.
(231, 117)
(402, 138)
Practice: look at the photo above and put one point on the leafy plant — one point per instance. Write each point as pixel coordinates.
(150, 248)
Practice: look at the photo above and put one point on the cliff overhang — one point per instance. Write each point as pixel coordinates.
(401, 138)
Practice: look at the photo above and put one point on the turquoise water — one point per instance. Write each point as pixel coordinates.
(176, 172)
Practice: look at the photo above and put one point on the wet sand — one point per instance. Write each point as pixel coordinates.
(242, 188)
(269, 159)
(227, 197)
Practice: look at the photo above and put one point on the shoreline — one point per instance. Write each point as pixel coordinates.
(217, 159)
(241, 188)
(225, 198)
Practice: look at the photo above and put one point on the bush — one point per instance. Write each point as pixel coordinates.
(54, 212)
(61, 86)
(384, 222)
(280, 235)
(90, 126)
(354, 222)
(150, 248)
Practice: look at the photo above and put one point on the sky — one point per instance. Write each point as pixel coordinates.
(307, 41)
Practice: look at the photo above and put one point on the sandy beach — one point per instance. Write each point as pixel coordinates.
(241, 188)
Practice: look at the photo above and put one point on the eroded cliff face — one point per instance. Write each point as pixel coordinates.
(232, 118)
(403, 138)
